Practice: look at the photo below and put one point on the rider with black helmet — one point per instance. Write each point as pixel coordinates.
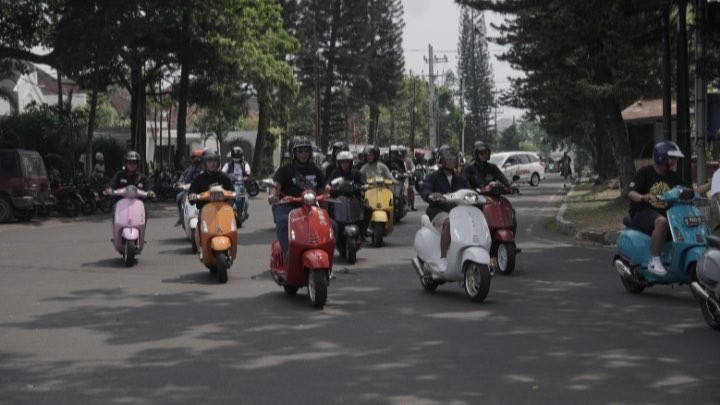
(374, 167)
(481, 171)
(330, 165)
(209, 176)
(292, 180)
(442, 181)
(130, 175)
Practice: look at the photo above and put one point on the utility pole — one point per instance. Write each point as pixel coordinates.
(433, 132)
(683, 98)
(700, 88)
(412, 117)
(462, 111)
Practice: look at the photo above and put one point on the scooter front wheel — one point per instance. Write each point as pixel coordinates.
(378, 233)
(477, 281)
(351, 251)
(290, 290)
(317, 287)
(506, 253)
(221, 266)
(129, 253)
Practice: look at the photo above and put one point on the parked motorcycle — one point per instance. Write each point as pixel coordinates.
(707, 286)
(347, 210)
(311, 248)
(67, 200)
(468, 257)
(216, 237)
(379, 198)
(400, 201)
(129, 223)
(502, 222)
(679, 255)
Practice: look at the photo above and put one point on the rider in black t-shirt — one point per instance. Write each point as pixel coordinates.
(292, 179)
(481, 171)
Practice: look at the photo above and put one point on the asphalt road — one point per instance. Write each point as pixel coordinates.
(76, 326)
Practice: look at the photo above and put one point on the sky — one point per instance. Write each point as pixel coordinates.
(437, 23)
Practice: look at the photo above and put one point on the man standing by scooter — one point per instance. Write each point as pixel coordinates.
(292, 180)
(481, 172)
(436, 184)
(647, 213)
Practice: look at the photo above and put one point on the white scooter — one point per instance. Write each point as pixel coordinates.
(190, 218)
(468, 257)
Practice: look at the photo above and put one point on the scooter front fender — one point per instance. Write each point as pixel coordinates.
(220, 243)
(503, 235)
(130, 233)
(379, 216)
(475, 254)
(193, 223)
(315, 259)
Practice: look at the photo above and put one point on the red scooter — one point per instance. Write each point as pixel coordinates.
(311, 249)
(502, 224)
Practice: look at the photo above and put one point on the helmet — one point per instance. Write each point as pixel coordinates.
(99, 156)
(287, 155)
(446, 153)
(340, 145)
(394, 148)
(300, 142)
(403, 150)
(132, 155)
(372, 149)
(478, 146)
(344, 155)
(237, 153)
(196, 155)
(663, 150)
(211, 155)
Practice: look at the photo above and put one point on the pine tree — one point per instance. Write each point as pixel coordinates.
(476, 77)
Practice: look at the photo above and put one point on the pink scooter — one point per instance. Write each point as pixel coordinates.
(129, 222)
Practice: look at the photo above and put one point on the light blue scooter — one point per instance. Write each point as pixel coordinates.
(679, 255)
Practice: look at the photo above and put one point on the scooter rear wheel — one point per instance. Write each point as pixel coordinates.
(221, 264)
(317, 287)
(631, 286)
(477, 281)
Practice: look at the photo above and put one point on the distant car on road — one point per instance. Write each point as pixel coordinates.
(526, 165)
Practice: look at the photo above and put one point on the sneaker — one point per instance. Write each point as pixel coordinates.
(438, 265)
(656, 267)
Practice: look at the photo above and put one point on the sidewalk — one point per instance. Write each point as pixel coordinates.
(568, 228)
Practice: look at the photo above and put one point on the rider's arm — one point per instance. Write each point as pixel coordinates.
(500, 176)
(428, 187)
(247, 169)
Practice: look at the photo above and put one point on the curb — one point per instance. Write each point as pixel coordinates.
(568, 228)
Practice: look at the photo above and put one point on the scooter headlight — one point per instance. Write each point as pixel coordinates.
(131, 191)
(471, 198)
(379, 180)
(310, 198)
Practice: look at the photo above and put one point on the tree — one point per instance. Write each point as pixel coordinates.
(476, 76)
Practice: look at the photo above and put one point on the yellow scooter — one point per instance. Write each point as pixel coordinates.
(379, 198)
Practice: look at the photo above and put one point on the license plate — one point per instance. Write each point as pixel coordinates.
(694, 221)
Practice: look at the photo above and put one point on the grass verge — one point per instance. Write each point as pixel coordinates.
(596, 207)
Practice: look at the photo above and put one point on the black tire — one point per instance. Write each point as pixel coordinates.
(43, 211)
(378, 233)
(631, 286)
(24, 215)
(712, 317)
(193, 245)
(477, 281)
(428, 283)
(351, 251)
(317, 287)
(106, 204)
(6, 210)
(69, 206)
(253, 189)
(88, 207)
(535, 180)
(128, 253)
(290, 290)
(221, 264)
(505, 254)
(238, 220)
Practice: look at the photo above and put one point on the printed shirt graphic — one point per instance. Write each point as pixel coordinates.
(648, 181)
(656, 189)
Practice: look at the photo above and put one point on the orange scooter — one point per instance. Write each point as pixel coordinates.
(216, 233)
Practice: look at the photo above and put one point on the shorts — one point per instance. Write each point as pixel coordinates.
(644, 220)
(439, 220)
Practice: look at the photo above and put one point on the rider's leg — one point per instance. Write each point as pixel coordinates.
(178, 200)
(445, 238)
(411, 197)
(281, 213)
(659, 235)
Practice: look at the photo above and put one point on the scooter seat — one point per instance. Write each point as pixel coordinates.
(714, 241)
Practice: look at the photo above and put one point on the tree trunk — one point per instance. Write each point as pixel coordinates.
(619, 142)
(135, 83)
(91, 125)
(329, 78)
(183, 95)
(373, 124)
(263, 124)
